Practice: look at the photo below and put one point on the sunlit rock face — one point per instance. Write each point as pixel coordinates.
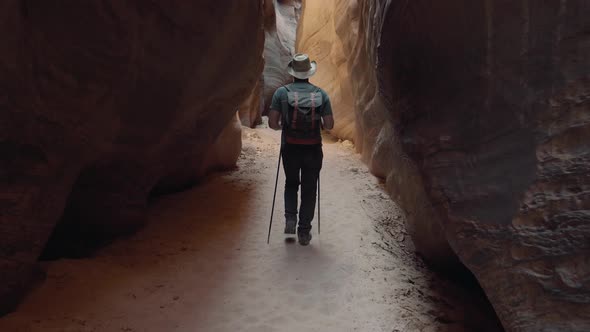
(279, 47)
(102, 102)
(477, 114)
(318, 37)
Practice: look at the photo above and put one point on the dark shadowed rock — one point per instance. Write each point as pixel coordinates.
(477, 114)
(103, 101)
(486, 136)
(492, 101)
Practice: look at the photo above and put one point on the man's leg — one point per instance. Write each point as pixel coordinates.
(292, 167)
(312, 164)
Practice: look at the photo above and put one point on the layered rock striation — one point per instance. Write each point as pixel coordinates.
(103, 102)
(281, 23)
(477, 115)
(279, 47)
(491, 101)
(327, 33)
(340, 36)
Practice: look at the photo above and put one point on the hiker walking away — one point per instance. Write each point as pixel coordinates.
(301, 109)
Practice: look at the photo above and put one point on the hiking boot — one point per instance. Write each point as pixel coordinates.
(290, 226)
(304, 238)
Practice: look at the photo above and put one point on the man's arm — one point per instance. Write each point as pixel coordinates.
(274, 117)
(328, 122)
(327, 118)
(275, 114)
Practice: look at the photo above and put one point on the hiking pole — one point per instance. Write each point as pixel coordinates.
(319, 204)
(274, 196)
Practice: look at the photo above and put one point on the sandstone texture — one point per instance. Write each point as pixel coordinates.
(477, 113)
(250, 110)
(280, 30)
(340, 36)
(103, 102)
(317, 36)
(279, 47)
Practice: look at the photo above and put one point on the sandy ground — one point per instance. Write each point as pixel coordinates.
(202, 263)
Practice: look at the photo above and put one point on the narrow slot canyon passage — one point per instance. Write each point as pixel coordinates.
(137, 166)
(202, 263)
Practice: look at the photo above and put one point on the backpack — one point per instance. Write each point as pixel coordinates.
(301, 118)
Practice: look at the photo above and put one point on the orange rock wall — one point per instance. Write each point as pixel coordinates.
(317, 36)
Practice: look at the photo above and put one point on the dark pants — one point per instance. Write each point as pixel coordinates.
(302, 164)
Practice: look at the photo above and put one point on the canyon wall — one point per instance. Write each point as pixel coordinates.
(105, 102)
(279, 47)
(491, 101)
(280, 30)
(337, 34)
(317, 37)
(477, 114)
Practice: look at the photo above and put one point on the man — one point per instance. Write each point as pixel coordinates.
(301, 109)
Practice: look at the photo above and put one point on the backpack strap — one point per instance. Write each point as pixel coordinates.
(313, 106)
(295, 110)
(313, 110)
(285, 106)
